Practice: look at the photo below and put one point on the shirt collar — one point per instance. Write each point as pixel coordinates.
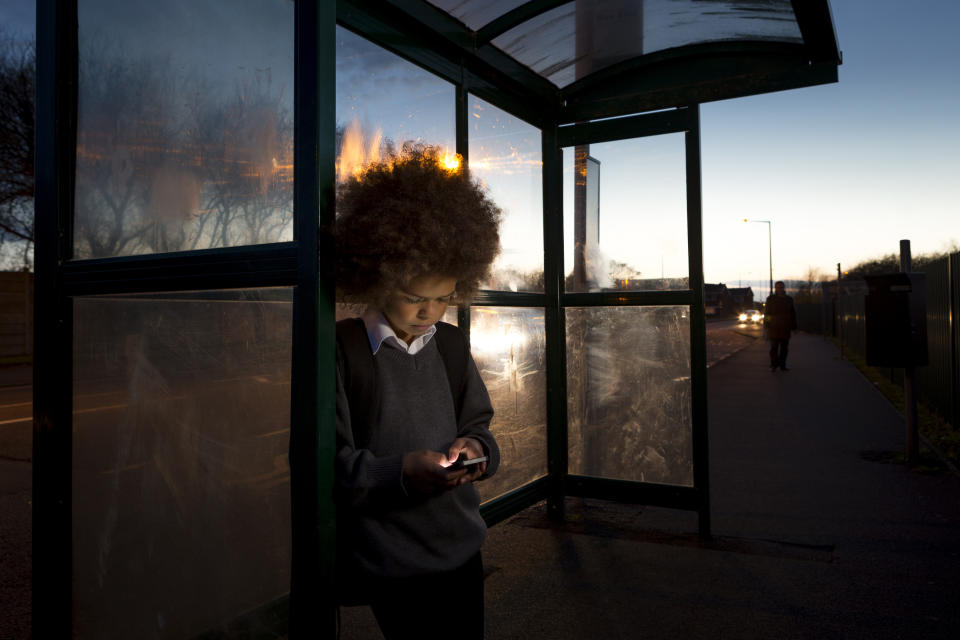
(379, 332)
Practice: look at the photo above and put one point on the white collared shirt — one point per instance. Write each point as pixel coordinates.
(380, 331)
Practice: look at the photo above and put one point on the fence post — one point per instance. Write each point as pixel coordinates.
(953, 310)
(839, 313)
(909, 378)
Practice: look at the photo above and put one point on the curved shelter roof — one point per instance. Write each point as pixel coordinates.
(585, 59)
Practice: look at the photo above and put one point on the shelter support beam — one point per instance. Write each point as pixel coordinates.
(698, 323)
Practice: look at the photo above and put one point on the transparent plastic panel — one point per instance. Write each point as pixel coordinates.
(506, 155)
(384, 101)
(579, 38)
(181, 488)
(477, 13)
(547, 44)
(508, 345)
(625, 215)
(628, 393)
(185, 125)
(674, 23)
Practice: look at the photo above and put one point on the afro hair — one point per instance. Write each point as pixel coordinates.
(409, 215)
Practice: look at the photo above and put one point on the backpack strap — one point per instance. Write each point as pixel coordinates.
(359, 378)
(455, 353)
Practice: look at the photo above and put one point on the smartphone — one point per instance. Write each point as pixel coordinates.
(463, 462)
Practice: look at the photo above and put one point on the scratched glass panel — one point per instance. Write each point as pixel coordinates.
(181, 488)
(384, 101)
(625, 215)
(505, 154)
(628, 393)
(184, 125)
(508, 347)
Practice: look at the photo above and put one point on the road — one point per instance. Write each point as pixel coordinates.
(726, 337)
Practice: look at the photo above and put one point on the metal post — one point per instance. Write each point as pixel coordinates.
(839, 313)
(698, 327)
(909, 378)
(313, 402)
(55, 144)
(770, 252)
(555, 323)
(769, 249)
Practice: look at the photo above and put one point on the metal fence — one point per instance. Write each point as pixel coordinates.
(938, 381)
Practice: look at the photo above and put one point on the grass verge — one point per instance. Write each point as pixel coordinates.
(944, 438)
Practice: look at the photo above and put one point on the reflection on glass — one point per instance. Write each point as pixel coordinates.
(384, 101)
(185, 126)
(477, 14)
(344, 311)
(578, 38)
(625, 215)
(508, 346)
(505, 154)
(628, 393)
(181, 424)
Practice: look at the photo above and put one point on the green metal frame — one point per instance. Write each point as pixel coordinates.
(55, 146)
(697, 497)
(430, 38)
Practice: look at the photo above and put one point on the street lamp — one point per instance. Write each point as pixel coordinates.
(769, 247)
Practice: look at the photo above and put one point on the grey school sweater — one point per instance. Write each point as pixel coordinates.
(389, 532)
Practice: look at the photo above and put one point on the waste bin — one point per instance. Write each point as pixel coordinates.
(895, 317)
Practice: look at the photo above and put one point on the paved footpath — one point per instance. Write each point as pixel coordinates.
(817, 534)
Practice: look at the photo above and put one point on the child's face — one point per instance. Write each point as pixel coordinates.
(415, 308)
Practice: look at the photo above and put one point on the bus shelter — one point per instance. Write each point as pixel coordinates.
(187, 160)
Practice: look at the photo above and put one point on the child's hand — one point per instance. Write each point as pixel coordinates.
(425, 472)
(473, 449)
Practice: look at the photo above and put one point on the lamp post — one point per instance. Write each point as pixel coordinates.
(769, 247)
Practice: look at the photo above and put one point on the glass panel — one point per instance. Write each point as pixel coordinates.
(625, 215)
(185, 125)
(505, 153)
(675, 23)
(344, 311)
(181, 489)
(628, 393)
(508, 346)
(384, 101)
(478, 13)
(578, 38)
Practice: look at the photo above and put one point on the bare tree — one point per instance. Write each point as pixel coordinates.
(168, 161)
(17, 82)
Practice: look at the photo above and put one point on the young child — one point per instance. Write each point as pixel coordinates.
(413, 236)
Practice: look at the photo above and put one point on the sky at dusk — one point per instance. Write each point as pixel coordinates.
(843, 171)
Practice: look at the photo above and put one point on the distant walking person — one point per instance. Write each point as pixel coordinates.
(780, 319)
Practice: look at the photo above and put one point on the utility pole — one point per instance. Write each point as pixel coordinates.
(769, 248)
(909, 376)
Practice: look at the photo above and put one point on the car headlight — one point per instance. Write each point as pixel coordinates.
(743, 317)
